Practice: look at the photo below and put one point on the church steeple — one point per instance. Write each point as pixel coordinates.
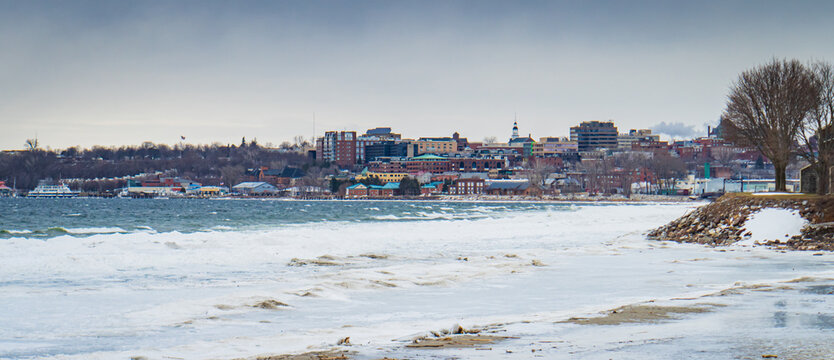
(515, 130)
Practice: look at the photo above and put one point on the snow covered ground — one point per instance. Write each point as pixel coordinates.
(772, 224)
(384, 281)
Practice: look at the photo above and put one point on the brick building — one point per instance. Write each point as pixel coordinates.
(472, 186)
(476, 164)
(338, 147)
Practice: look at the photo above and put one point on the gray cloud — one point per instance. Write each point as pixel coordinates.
(88, 72)
(677, 130)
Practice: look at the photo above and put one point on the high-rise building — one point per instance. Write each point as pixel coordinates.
(382, 133)
(388, 149)
(338, 147)
(594, 135)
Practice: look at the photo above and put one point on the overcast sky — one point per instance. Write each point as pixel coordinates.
(124, 72)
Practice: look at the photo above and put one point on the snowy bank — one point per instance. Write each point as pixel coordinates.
(792, 222)
(771, 224)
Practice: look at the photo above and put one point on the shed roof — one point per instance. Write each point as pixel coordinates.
(251, 185)
(508, 185)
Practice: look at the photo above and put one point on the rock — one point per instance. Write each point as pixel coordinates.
(270, 304)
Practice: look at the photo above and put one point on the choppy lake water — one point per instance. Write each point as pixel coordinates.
(194, 279)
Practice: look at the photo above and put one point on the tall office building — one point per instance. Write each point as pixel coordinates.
(594, 135)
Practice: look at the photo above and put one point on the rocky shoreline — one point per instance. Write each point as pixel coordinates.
(722, 222)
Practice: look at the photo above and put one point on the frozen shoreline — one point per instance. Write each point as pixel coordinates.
(646, 328)
(303, 287)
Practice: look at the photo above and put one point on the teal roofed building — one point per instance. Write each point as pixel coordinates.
(428, 157)
(356, 190)
(434, 187)
(392, 185)
(388, 190)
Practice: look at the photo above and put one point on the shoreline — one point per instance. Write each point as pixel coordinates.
(445, 198)
(639, 326)
(378, 286)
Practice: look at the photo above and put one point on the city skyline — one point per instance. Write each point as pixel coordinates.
(88, 73)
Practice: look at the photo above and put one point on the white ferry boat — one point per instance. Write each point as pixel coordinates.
(52, 191)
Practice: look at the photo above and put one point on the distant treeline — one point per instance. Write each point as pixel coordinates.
(209, 164)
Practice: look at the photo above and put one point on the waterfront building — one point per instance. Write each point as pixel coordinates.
(434, 187)
(389, 189)
(279, 177)
(508, 187)
(161, 186)
(6, 191)
(356, 190)
(468, 186)
(255, 188)
(208, 191)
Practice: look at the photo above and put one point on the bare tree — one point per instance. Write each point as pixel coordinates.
(816, 134)
(537, 172)
(32, 144)
(231, 175)
(300, 142)
(724, 155)
(630, 164)
(490, 140)
(668, 170)
(766, 106)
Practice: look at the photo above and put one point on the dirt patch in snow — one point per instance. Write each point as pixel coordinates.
(456, 341)
(638, 314)
(317, 355)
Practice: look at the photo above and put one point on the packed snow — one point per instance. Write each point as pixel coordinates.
(773, 224)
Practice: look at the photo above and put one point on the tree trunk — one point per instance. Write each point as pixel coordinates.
(779, 169)
(822, 178)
